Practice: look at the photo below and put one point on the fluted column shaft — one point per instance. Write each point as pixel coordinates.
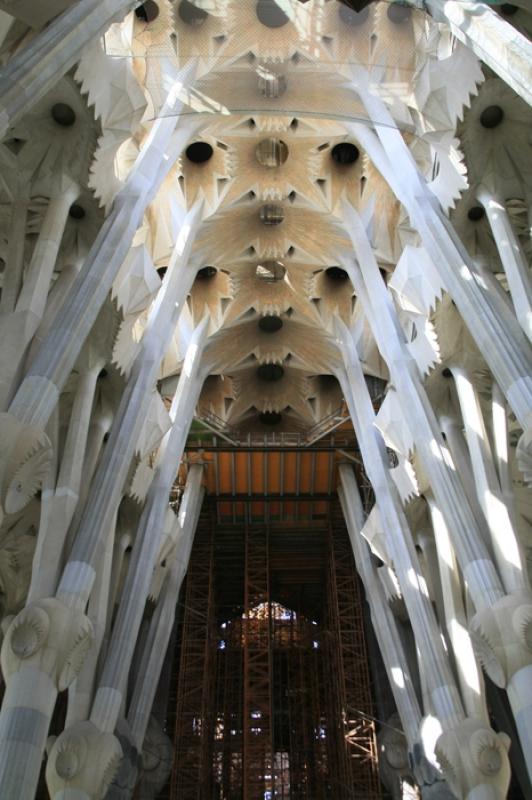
(39, 391)
(512, 258)
(490, 321)
(162, 622)
(147, 544)
(383, 620)
(479, 571)
(108, 482)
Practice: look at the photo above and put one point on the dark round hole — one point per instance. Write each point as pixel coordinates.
(76, 212)
(508, 9)
(64, 115)
(355, 14)
(270, 14)
(206, 273)
(327, 382)
(161, 272)
(475, 213)
(270, 324)
(270, 417)
(345, 153)
(491, 117)
(270, 372)
(199, 152)
(337, 274)
(148, 11)
(103, 374)
(398, 13)
(191, 14)
(271, 214)
(446, 372)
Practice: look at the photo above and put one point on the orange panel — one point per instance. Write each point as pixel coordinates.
(241, 473)
(305, 475)
(290, 473)
(274, 473)
(257, 473)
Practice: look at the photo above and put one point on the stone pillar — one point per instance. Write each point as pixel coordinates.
(42, 653)
(493, 40)
(59, 503)
(18, 327)
(458, 746)
(147, 544)
(110, 477)
(469, 673)
(490, 321)
(506, 546)
(512, 257)
(35, 70)
(53, 363)
(479, 571)
(163, 619)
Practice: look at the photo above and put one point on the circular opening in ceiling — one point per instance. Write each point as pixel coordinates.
(270, 372)
(476, 213)
(354, 15)
(491, 117)
(199, 152)
(271, 271)
(271, 152)
(508, 9)
(446, 372)
(206, 273)
(337, 274)
(270, 324)
(191, 14)
(270, 417)
(148, 11)
(271, 85)
(270, 14)
(271, 214)
(345, 153)
(398, 13)
(76, 211)
(63, 114)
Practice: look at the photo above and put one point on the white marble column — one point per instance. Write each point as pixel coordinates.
(479, 571)
(32, 72)
(490, 321)
(455, 746)
(163, 619)
(512, 257)
(497, 43)
(505, 542)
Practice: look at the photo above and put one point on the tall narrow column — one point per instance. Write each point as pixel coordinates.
(37, 68)
(490, 321)
(456, 746)
(497, 43)
(512, 258)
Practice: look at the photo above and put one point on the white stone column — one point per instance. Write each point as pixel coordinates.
(163, 619)
(469, 673)
(35, 70)
(456, 745)
(512, 257)
(383, 620)
(18, 327)
(497, 43)
(506, 546)
(113, 681)
(15, 247)
(479, 571)
(490, 321)
(108, 483)
(53, 363)
(59, 503)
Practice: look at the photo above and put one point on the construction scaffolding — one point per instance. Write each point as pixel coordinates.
(273, 695)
